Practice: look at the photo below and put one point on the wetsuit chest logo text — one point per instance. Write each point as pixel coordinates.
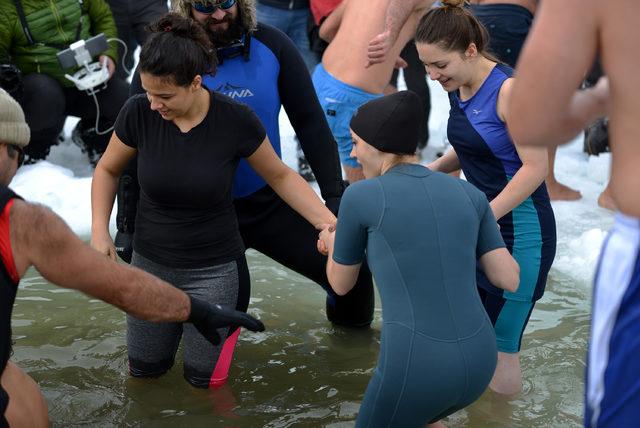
(234, 92)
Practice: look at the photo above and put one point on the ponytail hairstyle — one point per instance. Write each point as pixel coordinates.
(452, 27)
(178, 49)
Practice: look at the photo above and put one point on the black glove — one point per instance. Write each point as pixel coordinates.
(207, 318)
(124, 245)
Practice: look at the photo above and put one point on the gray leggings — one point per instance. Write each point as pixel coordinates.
(152, 346)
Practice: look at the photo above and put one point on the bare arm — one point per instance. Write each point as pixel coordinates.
(290, 186)
(40, 238)
(398, 12)
(501, 269)
(545, 107)
(535, 165)
(103, 192)
(446, 163)
(341, 277)
(528, 178)
(331, 24)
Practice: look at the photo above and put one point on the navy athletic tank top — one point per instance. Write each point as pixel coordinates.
(489, 160)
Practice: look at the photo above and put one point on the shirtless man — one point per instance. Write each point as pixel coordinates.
(547, 110)
(343, 81)
(32, 235)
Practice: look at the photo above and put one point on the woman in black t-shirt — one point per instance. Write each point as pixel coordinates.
(188, 141)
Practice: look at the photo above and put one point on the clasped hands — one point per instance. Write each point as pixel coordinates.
(325, 238)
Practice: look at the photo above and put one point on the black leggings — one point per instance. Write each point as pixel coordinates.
(46, 104)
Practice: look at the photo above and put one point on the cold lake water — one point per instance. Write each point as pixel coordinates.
(300, 372)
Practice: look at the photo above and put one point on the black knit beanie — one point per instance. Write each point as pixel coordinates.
(391, 124)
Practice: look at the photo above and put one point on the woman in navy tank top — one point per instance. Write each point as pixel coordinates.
(452, 44)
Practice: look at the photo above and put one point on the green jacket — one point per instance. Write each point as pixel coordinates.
(51, 22)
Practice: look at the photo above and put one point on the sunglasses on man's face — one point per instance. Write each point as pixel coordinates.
(209, 7)
(14, 150)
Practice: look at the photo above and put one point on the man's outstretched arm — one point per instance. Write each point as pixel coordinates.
(40, 238)
(545, 106)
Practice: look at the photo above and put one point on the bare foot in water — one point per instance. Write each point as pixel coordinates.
(605, 200)
(560, 192)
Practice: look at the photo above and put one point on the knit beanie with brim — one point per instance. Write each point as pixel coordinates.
(13, 127)
(391, 124)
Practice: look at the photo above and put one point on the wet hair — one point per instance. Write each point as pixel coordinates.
(453, 27)
(178, 49)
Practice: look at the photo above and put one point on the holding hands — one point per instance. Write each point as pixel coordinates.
(326, 238)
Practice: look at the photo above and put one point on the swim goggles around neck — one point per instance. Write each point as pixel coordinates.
(209, 7)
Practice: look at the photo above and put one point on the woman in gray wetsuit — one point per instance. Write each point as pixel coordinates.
(422, 233)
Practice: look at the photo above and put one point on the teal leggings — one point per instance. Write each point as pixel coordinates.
(509, 318)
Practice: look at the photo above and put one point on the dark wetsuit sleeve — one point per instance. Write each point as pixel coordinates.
(489, 237)
(351, 231)
(301, 103)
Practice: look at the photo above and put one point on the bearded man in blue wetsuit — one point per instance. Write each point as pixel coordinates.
(261, 67)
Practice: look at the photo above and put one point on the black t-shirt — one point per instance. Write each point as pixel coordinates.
(185, 214)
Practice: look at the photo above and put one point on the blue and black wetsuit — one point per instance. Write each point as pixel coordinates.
(422, 232)
(271, 74)
(489, 161)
